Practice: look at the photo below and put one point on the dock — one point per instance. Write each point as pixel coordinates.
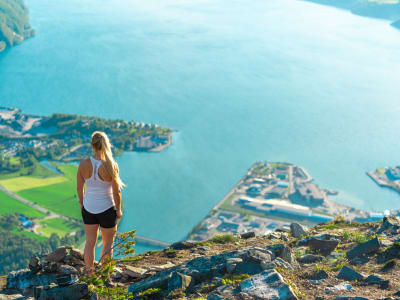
(151, 242)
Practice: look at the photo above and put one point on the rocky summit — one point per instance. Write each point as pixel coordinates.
(336, 260)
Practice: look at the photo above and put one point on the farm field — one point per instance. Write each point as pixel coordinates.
(58, 226)
(28, 182)
(58, 197)
(10, 205)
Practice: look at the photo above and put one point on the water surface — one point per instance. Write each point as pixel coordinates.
(240, 81)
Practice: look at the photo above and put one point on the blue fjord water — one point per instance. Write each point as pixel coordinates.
(240, 81)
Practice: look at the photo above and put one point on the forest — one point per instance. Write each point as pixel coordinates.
(14, 26)
(16, 249)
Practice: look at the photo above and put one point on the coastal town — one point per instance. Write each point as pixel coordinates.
(387, 177)
(271, 196)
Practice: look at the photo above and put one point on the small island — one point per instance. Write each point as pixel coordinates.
(14, 26)
(387, 177)
(38, 165)
(271, 196)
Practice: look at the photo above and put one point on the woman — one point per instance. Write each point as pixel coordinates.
(101, 199)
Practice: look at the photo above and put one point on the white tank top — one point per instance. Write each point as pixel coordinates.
(98, 194)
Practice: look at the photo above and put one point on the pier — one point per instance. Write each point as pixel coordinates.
(151, 242)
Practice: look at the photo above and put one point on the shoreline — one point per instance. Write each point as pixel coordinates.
(239, 210)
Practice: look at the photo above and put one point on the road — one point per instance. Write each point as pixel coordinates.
(27, 202)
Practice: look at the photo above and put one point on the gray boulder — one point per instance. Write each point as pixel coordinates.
(267, 285)
(298, 230)
(72, 292)
(248, 235)
(25, 278)
(323, 245)
(390, 225)
(179, 281)
(310, 258)
(368, 247)
(349, 274)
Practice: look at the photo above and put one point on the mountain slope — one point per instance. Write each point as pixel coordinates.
(14, 26)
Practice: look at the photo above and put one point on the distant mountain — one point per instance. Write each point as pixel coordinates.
(14, 26)
(383, 9)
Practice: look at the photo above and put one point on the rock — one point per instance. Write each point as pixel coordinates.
(203, 248)
(72, 292)
(163, 267)
(183, 245)
(349, 274)
(256, 256)
(34, 264)
(316, 282)
(65, 269)
(267, 265)
(179, 281)
(13, 296)
(374, 279)
(279, 262)
(72, 260)
(390, 253)
(134, 272)
(117, 274)
(159, 280)
(267, 285)
(25, 278)
(350, 298)
(361, 260)
(310, 258)
(224, 292)
(66, 279)
(76, 253)
(58, 255)
(231, 264)
(50, 267)
(273, 236)
(319, 275)
(322, 246)
(297, 230)
(368, 247)
(287, 255)
(247, 268)
(248, 235)
(390, 225)
(339, 287)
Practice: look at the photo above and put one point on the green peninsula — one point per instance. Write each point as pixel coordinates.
(14, 26)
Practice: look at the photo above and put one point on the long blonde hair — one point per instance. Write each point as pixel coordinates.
(101, 143)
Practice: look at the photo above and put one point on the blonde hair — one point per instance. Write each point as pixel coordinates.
(101, 143)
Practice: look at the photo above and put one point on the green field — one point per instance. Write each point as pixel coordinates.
(38, 171)
(10, 205)
(61, 197)
(55, 225)
(28, 182)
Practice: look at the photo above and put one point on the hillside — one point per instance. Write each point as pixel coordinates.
(14, 26)
(336, 260)
(383, 9)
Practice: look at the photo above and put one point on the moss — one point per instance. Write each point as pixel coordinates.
(223, 239)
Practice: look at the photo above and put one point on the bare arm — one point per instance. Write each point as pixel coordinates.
(117, 197)
(80, 181)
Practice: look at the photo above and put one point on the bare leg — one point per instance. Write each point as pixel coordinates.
(91, 239)
(108, 235)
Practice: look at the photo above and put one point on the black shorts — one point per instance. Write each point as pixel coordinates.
(106, 219)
